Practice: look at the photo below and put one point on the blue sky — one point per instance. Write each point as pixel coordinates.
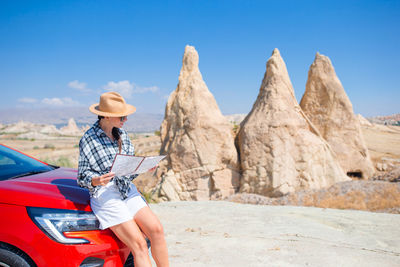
(66, 53)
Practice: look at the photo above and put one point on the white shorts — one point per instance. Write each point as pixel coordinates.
(111, 210)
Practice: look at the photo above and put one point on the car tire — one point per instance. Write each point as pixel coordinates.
(10, 258)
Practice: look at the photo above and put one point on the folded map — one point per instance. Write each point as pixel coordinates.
(128, 165)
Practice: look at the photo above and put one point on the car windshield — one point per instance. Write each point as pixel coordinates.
(14, 164)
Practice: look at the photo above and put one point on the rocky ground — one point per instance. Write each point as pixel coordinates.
(219, 233)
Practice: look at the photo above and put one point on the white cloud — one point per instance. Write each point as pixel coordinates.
(80, 86)
(27, 100)
(59, 102)
(125, 88)
(152, 89)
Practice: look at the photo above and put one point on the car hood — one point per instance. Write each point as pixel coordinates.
(54, 189)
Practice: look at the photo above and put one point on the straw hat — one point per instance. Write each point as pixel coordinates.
(112, 104)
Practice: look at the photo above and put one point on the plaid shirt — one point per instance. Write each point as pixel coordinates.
(96, 155)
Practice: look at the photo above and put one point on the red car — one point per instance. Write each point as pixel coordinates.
(46, 219)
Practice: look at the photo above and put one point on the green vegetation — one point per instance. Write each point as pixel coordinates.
(49, 146)
(148, 197)
(157, 133)
(235, 128)
(35, 147)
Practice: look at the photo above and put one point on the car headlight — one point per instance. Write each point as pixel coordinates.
(55, 222)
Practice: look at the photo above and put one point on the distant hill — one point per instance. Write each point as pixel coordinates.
(138, 122)
(236, 118)
(386, 120)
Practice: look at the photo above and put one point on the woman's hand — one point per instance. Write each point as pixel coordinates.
(102, 180)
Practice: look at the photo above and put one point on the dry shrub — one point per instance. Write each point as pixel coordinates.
(387, 199)
(351, 200)
(358, 195)
(310, 200)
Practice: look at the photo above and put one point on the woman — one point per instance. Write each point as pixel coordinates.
(115, 200)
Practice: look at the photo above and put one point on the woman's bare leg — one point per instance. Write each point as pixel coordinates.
(151, 226)
(130, 234)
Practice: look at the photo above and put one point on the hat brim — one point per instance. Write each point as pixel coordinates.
(129, 109)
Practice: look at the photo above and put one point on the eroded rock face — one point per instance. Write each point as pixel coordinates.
(363, 121)
(50, 129)
(202, 161)
(327, 105)
(280, 150)
(71, 128)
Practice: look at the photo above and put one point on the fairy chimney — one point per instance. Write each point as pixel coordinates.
(71, 128)
(280, 149)
(202, 161)
(327, 105)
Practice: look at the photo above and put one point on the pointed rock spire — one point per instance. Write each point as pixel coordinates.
(327, 105)
(202, 158)
(280, 150)
(71, 128)
(190, 63)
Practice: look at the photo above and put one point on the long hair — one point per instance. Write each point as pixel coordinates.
(116, 134)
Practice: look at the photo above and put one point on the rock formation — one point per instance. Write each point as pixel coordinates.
(202, 161)
(280, 149)
(363, 121)
(19, 127)
(71, 128)
(49, 129)
(327, 106)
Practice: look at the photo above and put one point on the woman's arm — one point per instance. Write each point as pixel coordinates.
(87, 177)
(85, 172)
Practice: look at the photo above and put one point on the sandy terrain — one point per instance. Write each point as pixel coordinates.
(231, 234)
(383, 142)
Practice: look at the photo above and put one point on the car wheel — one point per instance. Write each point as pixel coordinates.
(11, 259)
